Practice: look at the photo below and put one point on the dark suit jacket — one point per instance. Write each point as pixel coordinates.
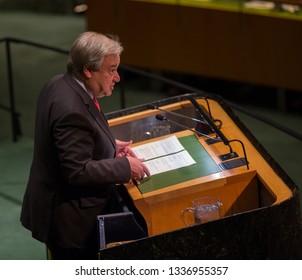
(74, 168)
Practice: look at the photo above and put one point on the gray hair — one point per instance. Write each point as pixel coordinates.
(89, 49)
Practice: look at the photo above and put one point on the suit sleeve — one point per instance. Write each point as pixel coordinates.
(75, 138)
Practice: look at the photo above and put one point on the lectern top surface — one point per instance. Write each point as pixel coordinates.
(204, 166)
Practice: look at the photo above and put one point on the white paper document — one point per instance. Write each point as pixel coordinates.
(164, 155)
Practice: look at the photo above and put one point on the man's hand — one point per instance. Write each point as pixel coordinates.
(138, 169)
(123, 149)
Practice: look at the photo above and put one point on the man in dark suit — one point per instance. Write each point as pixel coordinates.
(77, 161)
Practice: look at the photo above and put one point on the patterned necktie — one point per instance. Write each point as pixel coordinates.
(96, 103)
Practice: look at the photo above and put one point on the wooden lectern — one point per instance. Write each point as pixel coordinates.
(260, 212)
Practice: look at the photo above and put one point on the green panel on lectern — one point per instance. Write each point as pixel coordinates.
(204, 166)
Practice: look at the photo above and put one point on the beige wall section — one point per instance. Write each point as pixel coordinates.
(229, 45)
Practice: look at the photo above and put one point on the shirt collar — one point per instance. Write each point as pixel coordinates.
(84, 87)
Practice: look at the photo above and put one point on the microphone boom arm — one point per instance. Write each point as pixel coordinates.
(153, 107)
(162, 118)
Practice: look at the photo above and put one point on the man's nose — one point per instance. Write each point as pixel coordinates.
(117, 78)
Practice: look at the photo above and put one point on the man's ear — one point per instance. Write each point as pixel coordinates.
(87, 72)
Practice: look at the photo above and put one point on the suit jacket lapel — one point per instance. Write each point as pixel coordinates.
(98, 116)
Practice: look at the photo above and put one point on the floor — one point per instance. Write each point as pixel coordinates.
(32, 67)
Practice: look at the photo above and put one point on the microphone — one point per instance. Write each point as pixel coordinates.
(219, 133)
(203, 113)
(201, 126)
(208, 113)
(162, 118)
